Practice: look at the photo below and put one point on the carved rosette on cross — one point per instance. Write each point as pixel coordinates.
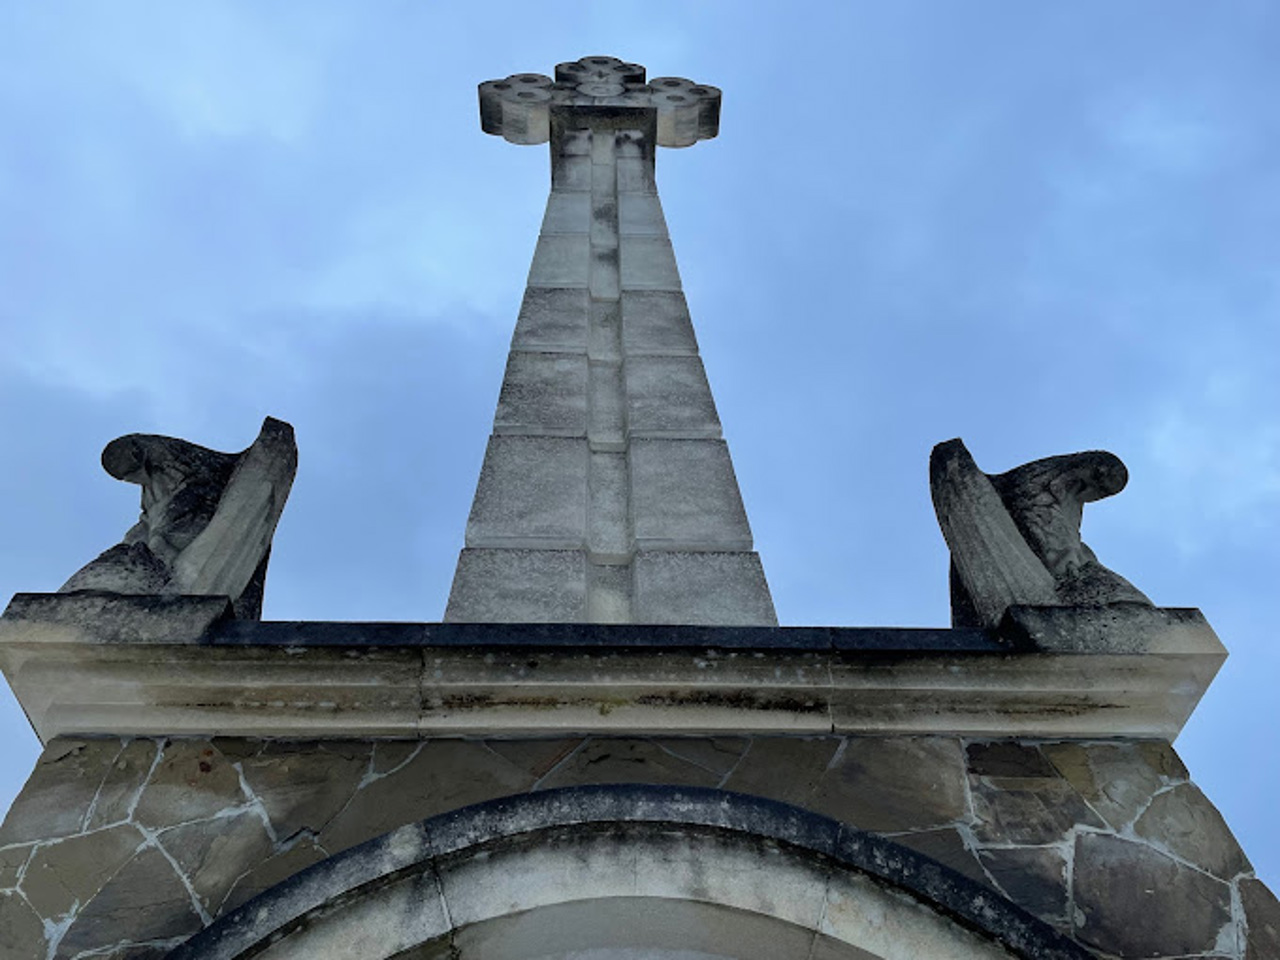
(518, 108)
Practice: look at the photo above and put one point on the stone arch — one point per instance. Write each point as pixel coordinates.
(628, 871)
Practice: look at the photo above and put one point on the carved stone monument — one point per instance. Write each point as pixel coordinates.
(608, 748)
(207, 518)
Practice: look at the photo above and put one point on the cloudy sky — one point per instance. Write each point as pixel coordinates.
(1042, 227)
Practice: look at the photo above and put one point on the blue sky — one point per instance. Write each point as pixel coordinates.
(1041, 227)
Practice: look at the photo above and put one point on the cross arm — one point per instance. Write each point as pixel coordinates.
(518, 108)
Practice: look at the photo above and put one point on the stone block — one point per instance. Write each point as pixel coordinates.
(274, 869)
(640, 214)
(606, 760)
(98, 617)
(302, 788)
(60, 790)
(648, 263)
(571, 174)
(530, 494)
(567, 213)
(193, 780)
(1007, 759)
(669, 397)
(552, 319)
(145, 898)
(894, 784)
(443, 775)
(716, 754)
(1184, 822)
(12, 861)
(214, 854)
(657, 322)
(1035, 878)
(723, 589)
(543, 394)
(635, 175)
(685, 497)
(21, 930)
(1133, 901)
(1027, 810)
(1116, 779)
(67, 873)
(122, 784)
(560, 260)
(1262, 921)
(519, 586)
(782, 768)
(947, 846)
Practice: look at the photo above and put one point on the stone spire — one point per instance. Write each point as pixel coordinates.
(607, 494)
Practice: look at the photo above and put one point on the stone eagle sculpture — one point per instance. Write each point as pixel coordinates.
(207, 518)
(1015, 536)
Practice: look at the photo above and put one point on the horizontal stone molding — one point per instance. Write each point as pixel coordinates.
(199, 673)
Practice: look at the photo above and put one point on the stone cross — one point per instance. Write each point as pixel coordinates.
(607, 493)
(519, 108)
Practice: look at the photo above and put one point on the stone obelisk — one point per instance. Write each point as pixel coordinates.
(607, 494)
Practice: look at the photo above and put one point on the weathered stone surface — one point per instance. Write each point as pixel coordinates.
(1184, 822)
(543, 394)
(783, 769)
(12, 860)
(1116, 779)
(669, 397)
(947, 847)
(1007, 759)
(302, 789)
(213, 854)
(431, 783)
(894, 784)
(21, 931)
(59, 791)
(145, 897)
(273, 870)
(207, 517)
(1134, 901)
(122, 784)
(709, 588)
(523, 586)
(685, 496)
(1027, 810)
(531, 493)
(552, 318)
(656, 322)
(1262, 921)
(719, 755)
(1033, 877)
(627, 761)
(193, 780)
(535, 757)
(70, 872)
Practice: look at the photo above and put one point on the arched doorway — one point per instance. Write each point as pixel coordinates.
(623, 873)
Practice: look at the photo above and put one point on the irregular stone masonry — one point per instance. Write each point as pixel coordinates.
(1107, 841)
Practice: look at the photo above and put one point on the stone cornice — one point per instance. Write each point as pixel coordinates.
(90, 664)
